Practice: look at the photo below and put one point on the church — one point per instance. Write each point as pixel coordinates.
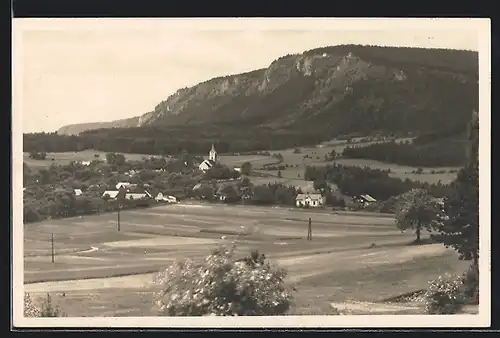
(210, 162)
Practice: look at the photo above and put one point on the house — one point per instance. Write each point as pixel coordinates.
(238, 169)
(364, 199)
(162, 198)
(123, 184)
(137, 195)
(77, 192)
(206, 165)
(210, 162)
(111, 193)
(85, 163)
(309, 200)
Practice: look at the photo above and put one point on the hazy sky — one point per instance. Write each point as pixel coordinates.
(91, 70)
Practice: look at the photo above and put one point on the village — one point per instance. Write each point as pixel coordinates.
(156, 180)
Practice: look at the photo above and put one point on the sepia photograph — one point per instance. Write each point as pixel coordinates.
(288, 172)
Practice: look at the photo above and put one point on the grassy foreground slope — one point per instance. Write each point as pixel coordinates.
(352, 256)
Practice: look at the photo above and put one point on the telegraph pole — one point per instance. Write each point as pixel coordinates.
(309, 230)
(52, 241)
(119, 207)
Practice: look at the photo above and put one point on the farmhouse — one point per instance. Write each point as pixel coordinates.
(123, 184)
(137, 195)
(309, 200)
(77, 192)
(162, 198)
(210, 162)
(364, 199)
(111, 193)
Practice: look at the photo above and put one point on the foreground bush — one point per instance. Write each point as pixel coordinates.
(470, 287)
(30, 309)
(223, 286)
(47, 309)
(444, 295)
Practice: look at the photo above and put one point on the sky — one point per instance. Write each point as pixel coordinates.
(69, 71)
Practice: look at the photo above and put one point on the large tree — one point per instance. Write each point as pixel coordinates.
(417, 210)
(246, 168)
(460, 229)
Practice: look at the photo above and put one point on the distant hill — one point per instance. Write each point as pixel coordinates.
(340, 89)
(75, 129)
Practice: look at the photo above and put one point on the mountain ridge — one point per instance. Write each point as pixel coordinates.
(326, 88)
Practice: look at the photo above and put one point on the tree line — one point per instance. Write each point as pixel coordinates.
(445, 153)
(353, 181)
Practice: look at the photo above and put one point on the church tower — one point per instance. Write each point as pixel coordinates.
(212, 155)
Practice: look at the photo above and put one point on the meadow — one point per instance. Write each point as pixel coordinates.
(354, 258)
(293, 174)
(67, 157)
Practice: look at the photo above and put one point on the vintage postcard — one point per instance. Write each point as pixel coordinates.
(251, 173)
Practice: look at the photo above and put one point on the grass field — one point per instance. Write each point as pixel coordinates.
(316, 157)
(353, 256)
(67, 157)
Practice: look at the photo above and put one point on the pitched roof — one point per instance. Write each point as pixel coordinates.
(311, 196)
(131, 195)
(111, 193)
(208, 163)
(368, 198)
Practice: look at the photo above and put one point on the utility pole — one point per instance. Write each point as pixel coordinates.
(119, 207)
(52, 241)
(309, 230)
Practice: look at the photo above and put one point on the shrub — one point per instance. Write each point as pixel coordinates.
(444, 295)
(47, 309)
(30, 309)
(223, 286)
(470, 287)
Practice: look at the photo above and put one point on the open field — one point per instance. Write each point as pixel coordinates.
(297, 162)
(66, 158)
(316, 156)
(256, 160)
(353, 256)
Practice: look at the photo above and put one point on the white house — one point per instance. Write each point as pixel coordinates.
(162, 198)
(123, 184)
(111, 193)
(210, 162)
(77, 192)
(206, 165)
(137, 196)
(309, 200)
(85, 163)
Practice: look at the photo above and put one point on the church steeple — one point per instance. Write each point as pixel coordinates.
(213, 154)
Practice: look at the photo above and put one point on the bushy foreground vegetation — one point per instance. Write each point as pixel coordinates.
(449, 294)
(223, 285)
(46, 309)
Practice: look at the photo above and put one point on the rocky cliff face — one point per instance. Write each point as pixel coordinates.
(319, 86)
